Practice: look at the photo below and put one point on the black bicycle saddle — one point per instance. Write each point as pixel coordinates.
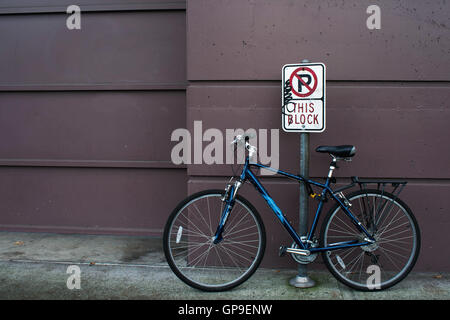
(344, 151)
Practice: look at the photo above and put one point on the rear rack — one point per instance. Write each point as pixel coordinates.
(397, 185)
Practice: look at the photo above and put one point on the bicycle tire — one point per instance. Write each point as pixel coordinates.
(188, 274)
(381, 253)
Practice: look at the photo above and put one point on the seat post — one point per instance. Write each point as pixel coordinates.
(332, 167)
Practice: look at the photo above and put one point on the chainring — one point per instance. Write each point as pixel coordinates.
(304, 259)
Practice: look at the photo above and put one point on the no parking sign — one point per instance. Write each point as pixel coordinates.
(303, 97)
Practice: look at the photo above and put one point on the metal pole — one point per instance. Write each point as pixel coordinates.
(302, 280)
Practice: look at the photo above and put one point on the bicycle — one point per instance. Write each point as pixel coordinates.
(214, 240)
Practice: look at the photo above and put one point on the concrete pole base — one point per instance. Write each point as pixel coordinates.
(302, 282)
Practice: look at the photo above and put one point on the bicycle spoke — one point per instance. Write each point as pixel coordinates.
(350, 229)
(238, 231)
(238, 248)
(386, 240)
(201, 216)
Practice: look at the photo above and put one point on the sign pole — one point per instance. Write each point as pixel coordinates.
(302, 280)
(303, 111)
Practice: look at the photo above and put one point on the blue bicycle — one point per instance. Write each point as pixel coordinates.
(214, 240)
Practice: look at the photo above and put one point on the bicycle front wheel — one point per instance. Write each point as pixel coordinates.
(389, 259)
(191, 252)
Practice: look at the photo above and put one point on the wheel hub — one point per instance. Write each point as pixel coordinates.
(370, 247)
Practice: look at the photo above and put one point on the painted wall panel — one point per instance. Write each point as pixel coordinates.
(89, 200)
(399, 130)
(252, 40)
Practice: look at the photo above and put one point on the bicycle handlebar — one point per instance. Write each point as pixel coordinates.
(243, 140)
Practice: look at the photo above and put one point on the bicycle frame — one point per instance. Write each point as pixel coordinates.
(248, 175)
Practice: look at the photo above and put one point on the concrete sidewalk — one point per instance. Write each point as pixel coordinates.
(34, 266)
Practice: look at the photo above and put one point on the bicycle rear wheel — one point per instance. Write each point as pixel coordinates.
(379, 265)
(189, 247)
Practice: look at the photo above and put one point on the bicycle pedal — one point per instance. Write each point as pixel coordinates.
(282, 251)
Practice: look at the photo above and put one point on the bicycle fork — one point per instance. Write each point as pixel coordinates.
(228, 198)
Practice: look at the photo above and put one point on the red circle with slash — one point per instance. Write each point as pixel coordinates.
(299, 78)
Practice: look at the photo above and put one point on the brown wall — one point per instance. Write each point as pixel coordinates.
(387, 93)
(85, 115)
